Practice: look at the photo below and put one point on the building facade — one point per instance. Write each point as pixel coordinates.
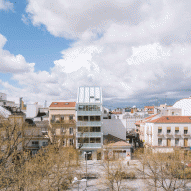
(89, 132)
(62, 119)
(168, 132)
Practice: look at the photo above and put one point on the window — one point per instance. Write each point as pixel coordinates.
(86, 140)
(160, 142)
(185, 130)
(44, 143)
(97, 118)
(98, 140)
(80, 140)
(172, 113)
(92, 140)
(160, 130)
(63, 142)
(80, 129)
(71, 142)
(86, 129)
(176, 142)
(92, 118)
(85, 118)
(71, 130)
(95, 129)
(53, 117)
(168, 130)
(176, 130)
(80, 118)
(62, 117)
(71, 117)
(35, 143)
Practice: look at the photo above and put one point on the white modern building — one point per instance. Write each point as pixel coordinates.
(168, 132)
(89, 132)
(185, 105)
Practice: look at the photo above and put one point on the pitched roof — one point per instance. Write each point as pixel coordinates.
(172, 119)
(63, 104)
(119, 143)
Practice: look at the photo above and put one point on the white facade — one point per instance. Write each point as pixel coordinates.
(115, 127)
(185, 105)
(32, 110)
(152, 134)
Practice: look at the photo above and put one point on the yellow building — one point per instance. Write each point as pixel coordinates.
(62, 121)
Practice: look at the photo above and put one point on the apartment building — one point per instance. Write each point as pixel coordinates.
(62, 120)
(167, 132)
(89, 133)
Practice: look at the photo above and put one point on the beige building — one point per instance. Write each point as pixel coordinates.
(62, 119)
(167, 132)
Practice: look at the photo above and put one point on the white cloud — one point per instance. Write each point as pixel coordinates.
(10, 63)
(6, 5)
(132, 49)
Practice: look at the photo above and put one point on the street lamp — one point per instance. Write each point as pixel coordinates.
(86, 153)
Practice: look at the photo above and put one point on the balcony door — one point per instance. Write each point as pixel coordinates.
(168, 142)
(186, 142)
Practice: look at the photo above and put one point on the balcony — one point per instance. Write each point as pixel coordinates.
(89, 123)
(177, 135)
(186, 135)
(61, 122)
(89, 112)
(89, 134)
(32, 147)
(160, 135)
(90, 145)
(169, 135)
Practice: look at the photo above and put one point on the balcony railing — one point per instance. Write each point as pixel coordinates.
(169, 135)
(90, 145)
(57, 122)
(89, 113)
(89, 123)
(89, 134)
(160, 135)
(186, 135)
(177, 135)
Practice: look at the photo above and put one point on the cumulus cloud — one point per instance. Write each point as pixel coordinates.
(10, 63)
(134, 50)
(6, 5)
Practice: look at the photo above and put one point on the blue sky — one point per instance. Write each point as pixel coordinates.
(137, 50)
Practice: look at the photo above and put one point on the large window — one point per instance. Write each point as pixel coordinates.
(71, 130)
(71, 142)
(71, 117)
(95, 129)
(159, 142)
(176, 142)
(185, 130)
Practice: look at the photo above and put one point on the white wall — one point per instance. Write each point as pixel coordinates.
(115, 127)
(32, 110)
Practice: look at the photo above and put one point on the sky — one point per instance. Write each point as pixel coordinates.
(138, 51)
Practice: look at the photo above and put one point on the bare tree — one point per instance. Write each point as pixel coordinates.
(163, 170)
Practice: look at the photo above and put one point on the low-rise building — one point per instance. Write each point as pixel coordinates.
(167, 132)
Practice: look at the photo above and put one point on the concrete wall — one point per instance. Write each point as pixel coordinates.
(32, 110)
(115, 127)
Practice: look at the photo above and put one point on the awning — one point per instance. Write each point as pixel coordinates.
(168, 128)
(176, 128)
(185, 128)
(159, 127)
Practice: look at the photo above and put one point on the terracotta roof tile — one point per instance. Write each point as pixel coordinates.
(172, 119)
(63, 104)
(119, 143)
